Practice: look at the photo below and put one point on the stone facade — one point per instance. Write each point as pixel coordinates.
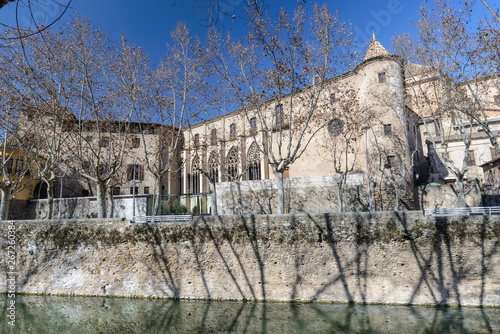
(226, 146)
(394, 258)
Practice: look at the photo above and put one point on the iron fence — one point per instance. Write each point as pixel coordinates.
(487, 210)
(163, 219)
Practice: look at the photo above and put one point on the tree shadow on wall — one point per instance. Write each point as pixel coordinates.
(218, 238)
(161, 253)
(329, 235)
(442, 271)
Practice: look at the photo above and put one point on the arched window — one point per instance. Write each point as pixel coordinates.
(254, 163)
(213, 167)
(195, 175)
(253, 125)
(232, 131)
(232, 163)
(213, 137)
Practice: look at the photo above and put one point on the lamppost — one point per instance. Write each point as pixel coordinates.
(133, 184)
(366, 127)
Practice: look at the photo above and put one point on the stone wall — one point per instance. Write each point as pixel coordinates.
(312, 195)
(84, 207)
(445, 196)
(384, 258)
(306, 194)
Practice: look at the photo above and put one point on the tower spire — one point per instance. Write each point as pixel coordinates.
(375, 49)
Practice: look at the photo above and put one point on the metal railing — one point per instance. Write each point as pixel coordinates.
(163, 219)
(486, 210)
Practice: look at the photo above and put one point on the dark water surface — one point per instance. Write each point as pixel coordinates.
(35, 314)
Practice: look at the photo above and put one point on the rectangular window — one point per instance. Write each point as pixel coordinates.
(89, 139)
(497, 100)
(232, 131)
(494, 153)
(146, 190)
(138, 172)
(253, 125)
(132, 190)
(136, 142)
(86, 166)
(9, 166)
(333, 98)
(67, 126)
(280, 116)
(213, 137)
(116, 191)
(387, 129)
(19, 165)
(105, 142)
(391, 161)
(196, 140)
(471, 161)
(103, 169)
(381, 77)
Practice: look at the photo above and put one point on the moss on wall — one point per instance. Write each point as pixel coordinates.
(361, 229)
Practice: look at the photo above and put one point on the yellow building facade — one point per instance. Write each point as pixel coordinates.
(16, 172)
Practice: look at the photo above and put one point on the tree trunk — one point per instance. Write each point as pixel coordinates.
(213, 197)
(342, 191)
(157, 198)
(50, 198)
(281, 191)
(339, 196)
(5, 203)
(240, 198)
(101, 200)
(111, 204)
(397, 192)
(460, 192)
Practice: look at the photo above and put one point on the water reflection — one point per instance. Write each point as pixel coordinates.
(104, 315)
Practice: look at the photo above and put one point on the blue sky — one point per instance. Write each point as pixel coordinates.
(148, 23)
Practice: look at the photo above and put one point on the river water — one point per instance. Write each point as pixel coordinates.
(40, 314)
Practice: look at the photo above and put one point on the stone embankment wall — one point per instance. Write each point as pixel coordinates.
(384, 258)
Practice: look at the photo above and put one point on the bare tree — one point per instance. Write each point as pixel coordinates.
(439, 103)
(395, 160)
(14, 164)
(270, 77)
(33, 17)
(109, 96)
(38, 74)
(177, 95)
(215, 12)
(345, 128)
(450, 88)
(207, 162)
